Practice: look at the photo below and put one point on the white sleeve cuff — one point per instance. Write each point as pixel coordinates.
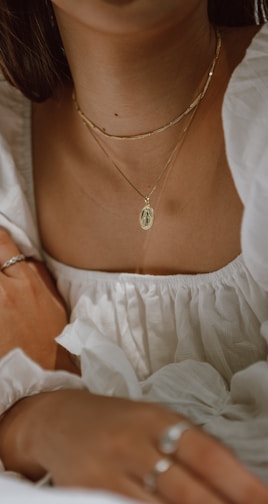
(21, 377)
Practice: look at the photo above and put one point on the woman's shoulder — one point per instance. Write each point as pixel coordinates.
(14, 117)
(10, 97)
(245, 119)
(245, 112)
(245, 49)
(16, 190)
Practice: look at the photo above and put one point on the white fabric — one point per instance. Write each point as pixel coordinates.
(21, 377)
(197, 343)
(14, 492)
(245, 117)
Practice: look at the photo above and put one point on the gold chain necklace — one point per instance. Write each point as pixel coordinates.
(147, 213)
(171, 123)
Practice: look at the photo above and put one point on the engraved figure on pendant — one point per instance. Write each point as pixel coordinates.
(146, 216)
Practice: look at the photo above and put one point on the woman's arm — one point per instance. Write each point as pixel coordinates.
(32, 313)
(91, 441)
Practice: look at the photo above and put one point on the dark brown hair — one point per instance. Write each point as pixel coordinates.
(31, 54)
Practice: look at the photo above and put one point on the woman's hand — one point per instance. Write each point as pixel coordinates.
(32, 313)
(98, 442)
(109, 443)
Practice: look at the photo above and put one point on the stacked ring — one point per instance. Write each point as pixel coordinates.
(168, 442)
(150, 480)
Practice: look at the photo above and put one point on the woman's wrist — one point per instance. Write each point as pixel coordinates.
(24, 388)
(19, 439)
(28, 434)
(47, 442)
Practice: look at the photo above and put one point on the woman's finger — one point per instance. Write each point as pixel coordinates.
(8, 250)
(99, 475)
(158, 475)
(129, 487)
(215, 464)
(166, 478)
(179, 486)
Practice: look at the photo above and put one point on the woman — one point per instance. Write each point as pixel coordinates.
(131, 187)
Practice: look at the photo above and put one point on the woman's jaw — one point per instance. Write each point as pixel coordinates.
(129, 16)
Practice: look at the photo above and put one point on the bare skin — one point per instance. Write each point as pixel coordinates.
(198, 216)
(32, 313)
(93, 441)
(84, 450)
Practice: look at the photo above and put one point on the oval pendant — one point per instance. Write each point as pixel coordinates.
(146, 217)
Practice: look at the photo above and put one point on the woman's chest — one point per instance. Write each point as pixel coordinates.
(86, 224)
(88, 213)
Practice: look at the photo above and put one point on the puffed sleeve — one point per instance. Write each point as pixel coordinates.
(245, 117)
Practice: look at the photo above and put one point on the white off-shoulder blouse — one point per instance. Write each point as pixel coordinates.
(196, 343)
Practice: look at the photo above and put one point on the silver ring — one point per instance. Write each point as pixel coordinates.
(13, 260)
(168, 442)
(150, 480)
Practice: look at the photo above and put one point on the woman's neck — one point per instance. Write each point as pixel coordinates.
(132, 83)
